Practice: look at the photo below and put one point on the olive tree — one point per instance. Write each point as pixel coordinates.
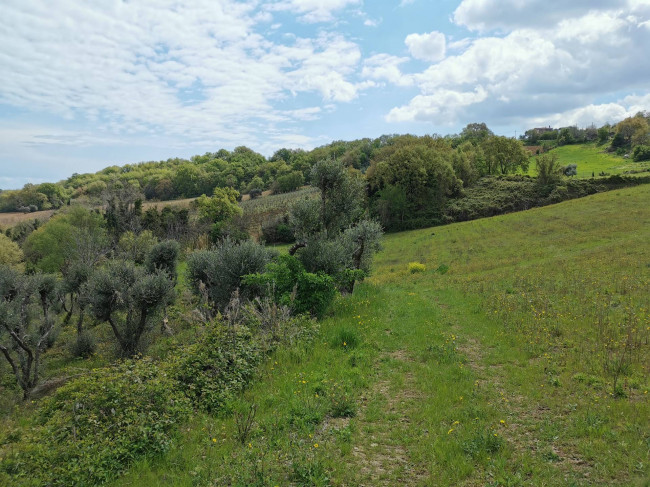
(215, 274)
(130, 300)
(27, 309)
(332, 235)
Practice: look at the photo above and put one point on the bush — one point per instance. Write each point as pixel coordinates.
(211, 372)
(278, 231)
(163, 257)
(548, 169)
(84, 346)
(287, 281)
(95, 426)
(641, 153)
(415, 267)
(255, 193)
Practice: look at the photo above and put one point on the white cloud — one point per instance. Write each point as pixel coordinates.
(426, 47)
(192, 70)
(597, 114)
(442, 106)
(384, 67)
(485, 15)
(312, 11)
(544, 71)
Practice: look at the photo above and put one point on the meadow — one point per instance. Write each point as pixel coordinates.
(593, 159)
(516, 353)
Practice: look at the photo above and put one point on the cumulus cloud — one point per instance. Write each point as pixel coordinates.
(384, 67)
(442, 106)
(541, 71)
(313, 11)
(597, 114)
(427, 47)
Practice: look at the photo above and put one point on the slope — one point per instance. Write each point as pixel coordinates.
(518, 357)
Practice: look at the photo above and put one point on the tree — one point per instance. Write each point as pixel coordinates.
(603, 134)
(26, 323)
(163, 256)
(475, 133)
(10, 253)
(215, 274)
(633, 131)
(76, 235)
(135, 247)
(422, 172)
(342, 195)
(221, 207)
(466, 161)
(129, 299)
(332, 236)
(504, 155)
(549, 170)
(288, 182)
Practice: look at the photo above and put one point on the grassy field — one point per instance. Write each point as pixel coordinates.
(520, 356)
(8, 220)
(592, 159)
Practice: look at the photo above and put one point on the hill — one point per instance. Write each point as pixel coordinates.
(593, 160)
(518, 356)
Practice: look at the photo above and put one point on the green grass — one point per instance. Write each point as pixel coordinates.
(498, 372)
(592, 159)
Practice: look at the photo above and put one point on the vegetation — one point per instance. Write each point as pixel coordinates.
(494, 372)
(130, 317)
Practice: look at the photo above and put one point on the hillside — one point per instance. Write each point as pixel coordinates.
(518, 357)
(592, 159)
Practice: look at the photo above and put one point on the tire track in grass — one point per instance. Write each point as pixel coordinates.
(381, 459)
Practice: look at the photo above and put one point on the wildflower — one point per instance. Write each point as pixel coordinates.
(214, 440)
(502, 422)
(250, 445)
(315, 445)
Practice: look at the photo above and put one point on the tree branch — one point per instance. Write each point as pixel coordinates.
(14, 367)
(298, 245)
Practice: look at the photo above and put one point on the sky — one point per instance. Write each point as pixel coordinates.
(89, 84)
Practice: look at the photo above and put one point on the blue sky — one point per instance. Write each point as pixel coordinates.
(88, 84)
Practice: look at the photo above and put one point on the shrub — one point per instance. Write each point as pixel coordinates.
(255, 193)
(211, 372)
(548, 169)
(163, 257)
(95, 426)
(641, 153)
(84, 346)
(415, 267)
(278, 231)
(291, 285)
